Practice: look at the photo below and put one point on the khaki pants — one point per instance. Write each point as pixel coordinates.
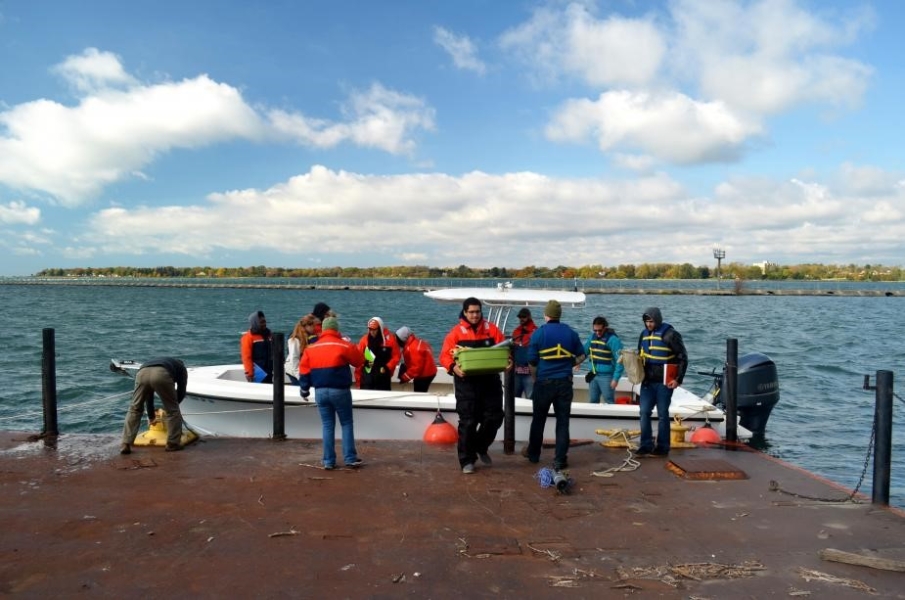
(148, 381)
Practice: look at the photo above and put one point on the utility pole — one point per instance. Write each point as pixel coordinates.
(719, 254)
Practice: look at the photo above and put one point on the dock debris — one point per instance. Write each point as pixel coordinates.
(860, 560)
(284, 533)
(673, 574)
(812, 575)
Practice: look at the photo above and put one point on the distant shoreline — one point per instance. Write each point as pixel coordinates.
(729, 290)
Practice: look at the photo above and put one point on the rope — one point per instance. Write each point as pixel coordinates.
(629, 464)
(67, 407)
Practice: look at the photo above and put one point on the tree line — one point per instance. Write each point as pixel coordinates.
(850, 272)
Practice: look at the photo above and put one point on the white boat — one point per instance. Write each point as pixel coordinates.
(220, 402)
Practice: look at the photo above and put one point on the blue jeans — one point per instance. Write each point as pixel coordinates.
(600, 386)
(655, 394)
(523, 384)
(556, 392)
(333, 402)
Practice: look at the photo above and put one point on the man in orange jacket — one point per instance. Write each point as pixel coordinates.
(479, 398)
(418, 363)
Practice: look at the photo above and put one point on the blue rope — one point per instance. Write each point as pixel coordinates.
(545, 477)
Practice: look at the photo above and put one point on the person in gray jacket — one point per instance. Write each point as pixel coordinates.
(167, 377)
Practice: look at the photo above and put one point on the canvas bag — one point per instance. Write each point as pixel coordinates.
(634, 367)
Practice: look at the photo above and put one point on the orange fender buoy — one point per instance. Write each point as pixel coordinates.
(705, 435)
(440, 432)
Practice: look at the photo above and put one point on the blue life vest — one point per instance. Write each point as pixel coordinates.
(654, 350)
(599, 352)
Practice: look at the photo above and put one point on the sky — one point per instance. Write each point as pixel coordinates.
(476, 132)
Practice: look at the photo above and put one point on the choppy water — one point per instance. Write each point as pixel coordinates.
(823, 346)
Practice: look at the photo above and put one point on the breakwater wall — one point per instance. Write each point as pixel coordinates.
(647, 287)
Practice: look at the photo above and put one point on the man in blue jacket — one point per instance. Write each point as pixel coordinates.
(602, 349)
(555, 349)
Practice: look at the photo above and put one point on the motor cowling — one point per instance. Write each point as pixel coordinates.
(758, 391)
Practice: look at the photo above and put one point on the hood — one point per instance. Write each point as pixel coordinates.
(379, 322)
(654, 313)
(254, 322)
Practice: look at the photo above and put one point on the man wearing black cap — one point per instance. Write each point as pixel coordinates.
(665, 362)
(521, 335)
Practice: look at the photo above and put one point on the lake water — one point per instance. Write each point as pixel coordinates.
(822, 346)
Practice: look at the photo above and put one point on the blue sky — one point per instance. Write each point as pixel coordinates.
(304, 134)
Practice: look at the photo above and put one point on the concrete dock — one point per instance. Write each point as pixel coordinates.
(231, 518)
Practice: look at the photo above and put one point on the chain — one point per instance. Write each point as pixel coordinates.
(898, 397)
(870, 450)
(775, 487)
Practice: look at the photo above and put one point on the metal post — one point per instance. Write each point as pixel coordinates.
(509, 412)
(883, 443)
(49, 383)
(279, 390)
(730, 390)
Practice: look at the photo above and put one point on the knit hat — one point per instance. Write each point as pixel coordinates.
(553, 309)
(403, 333)
(330, 323)
(524, 313)
(320, 310)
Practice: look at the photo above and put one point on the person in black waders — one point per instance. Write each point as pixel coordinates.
(479, 398)
(167, 377)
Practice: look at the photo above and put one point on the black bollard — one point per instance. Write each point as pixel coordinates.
(883, 442)
(730, 390)
(509, 412)
(49, 384)
(279, 389)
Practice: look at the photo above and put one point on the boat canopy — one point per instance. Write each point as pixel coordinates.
(500, 300)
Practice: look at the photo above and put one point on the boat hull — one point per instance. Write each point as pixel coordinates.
(221, 403)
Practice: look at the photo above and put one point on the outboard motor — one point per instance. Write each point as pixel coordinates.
(758, 391)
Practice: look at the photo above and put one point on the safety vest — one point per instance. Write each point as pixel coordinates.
(556, 352)
(654, 350)
(600, 352)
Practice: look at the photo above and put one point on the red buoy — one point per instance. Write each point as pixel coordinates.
(705, 435)
(440, 432)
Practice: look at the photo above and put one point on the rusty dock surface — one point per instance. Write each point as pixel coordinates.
(255, 518)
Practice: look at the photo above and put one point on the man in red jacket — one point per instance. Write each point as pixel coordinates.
(325, 367)
(521, 335)
(418, 363)
(479, 398)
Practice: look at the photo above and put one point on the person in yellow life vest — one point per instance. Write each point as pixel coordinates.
(604, 369)
(555, 349)
(665, 361)
(381, 356)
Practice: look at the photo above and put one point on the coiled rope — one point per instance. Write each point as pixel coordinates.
(629, 464)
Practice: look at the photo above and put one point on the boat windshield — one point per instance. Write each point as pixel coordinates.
(499, 301)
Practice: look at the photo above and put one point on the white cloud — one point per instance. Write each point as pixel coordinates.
(17, 212)
(769, 56)
(461, 49)
(573, 221)
(94, 70)
(670, 127)
(72, 153)
(613, 51)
